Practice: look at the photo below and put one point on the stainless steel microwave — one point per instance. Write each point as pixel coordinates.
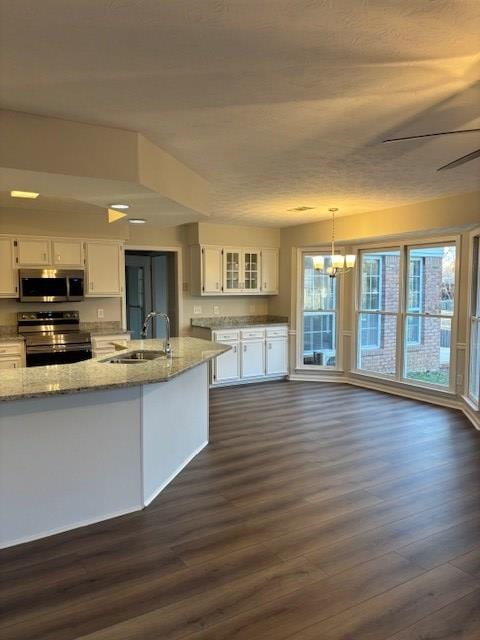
(51, 285)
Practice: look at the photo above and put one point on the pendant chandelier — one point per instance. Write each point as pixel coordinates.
(339, 263)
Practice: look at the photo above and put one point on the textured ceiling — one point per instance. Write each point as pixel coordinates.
(278, 104)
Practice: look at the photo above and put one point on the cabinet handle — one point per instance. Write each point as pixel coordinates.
(216, 286)
(91, 286)
(264, 285)
(59, 257)
(244, 347)
(234, 349)
(44, 256)
(269, 345)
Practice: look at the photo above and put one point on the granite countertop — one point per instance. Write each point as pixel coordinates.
(234, 322)
(90, 375)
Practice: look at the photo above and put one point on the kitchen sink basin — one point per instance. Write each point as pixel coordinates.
(134, 357)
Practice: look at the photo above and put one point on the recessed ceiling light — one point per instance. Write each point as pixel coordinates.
(304, 208)
(119, 206)
(24, 194)
(137, 221)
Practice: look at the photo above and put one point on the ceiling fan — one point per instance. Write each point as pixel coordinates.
(455, 163)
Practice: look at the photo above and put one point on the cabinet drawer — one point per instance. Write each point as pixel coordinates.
(229, 335)
(277, 332)
(11, 349)
(252, 334)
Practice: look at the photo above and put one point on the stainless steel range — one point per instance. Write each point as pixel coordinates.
(53, 337)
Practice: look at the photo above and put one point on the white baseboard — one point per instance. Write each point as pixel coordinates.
(318, 377)
(173, 475)
(239, 381)
(69, 527)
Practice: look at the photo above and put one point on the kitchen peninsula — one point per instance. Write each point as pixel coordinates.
(89, 441)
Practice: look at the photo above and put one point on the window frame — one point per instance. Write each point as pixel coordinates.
(300, 328)
(399, 378)
(473, 317)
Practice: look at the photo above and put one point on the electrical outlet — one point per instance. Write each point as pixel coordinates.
(216, 310)
(100, 314)
(197, 310)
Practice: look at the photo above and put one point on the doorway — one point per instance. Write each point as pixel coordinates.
(150, 286)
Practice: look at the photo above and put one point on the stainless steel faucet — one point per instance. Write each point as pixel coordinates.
(148, 319)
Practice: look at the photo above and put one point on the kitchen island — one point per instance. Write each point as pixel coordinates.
(89, 441)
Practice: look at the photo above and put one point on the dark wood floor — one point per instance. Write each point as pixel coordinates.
(318, 512)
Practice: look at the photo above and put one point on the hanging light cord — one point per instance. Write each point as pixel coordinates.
(333, 234)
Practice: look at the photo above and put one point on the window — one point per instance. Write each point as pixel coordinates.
(407, 337)
(319, 315)
(377, 311)
(474, 352)
(431, 304)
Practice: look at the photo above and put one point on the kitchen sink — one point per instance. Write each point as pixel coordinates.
(134, 357)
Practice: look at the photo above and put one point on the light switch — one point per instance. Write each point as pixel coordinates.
(197, 310)
(216, 310)
(100, 313)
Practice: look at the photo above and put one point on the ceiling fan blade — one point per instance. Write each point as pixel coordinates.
(431, 135)
(462, 160)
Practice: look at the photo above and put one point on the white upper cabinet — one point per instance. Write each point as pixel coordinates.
(8, 273)
(224, 271)
(104, 269)
(270, 265)
(232, 270)
(33, 252)
(251, 264)
(241, 270)
(67, 253)
(211, 270)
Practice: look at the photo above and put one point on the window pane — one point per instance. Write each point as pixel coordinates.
(319, 290)
(319, 342)
(379, 280)
(429, 361)
(474, 377)
(431, 280)
(377, 343)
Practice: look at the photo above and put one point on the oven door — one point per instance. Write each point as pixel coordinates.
(43, 286)
(59, 354)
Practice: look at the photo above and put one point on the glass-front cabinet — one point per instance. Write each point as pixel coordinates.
(241, 270)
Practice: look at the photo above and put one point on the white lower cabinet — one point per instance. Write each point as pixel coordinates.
(255, 353)
(11, 355)
(105, 344)
(253, 358)
(276, 356)
(227, 366)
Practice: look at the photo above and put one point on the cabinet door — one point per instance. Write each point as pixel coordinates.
(8, 273)
(270, 271)
(251, 271)
(33, 252)
(211, 270)
(232, 270)
(277, 356)
(253, 358)
(12, 363)
(67, 253)
(227, 366)
(104, 269)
